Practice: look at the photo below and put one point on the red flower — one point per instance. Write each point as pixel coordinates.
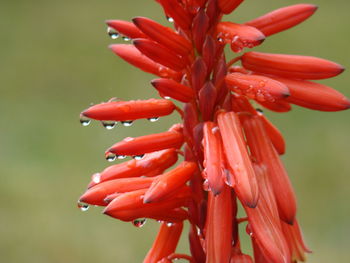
(230, 150)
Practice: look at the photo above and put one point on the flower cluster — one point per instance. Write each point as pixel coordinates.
(230, 150)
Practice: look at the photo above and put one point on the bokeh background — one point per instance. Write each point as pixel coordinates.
(54, 62)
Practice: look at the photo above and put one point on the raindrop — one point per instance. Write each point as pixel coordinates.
(167, 97)
(170, 19)
(111, 157)
(83, 206)
(139, 222)
(153, 119)
(125, 38)
(112, 33)
(109, 125)
(138, 157)
(127, 123)
(169, 224)
(84, 120)
(96, 178)
(259, 110)
(206, 185)
(121, 157)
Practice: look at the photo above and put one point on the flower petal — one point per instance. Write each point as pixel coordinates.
(165, 243)
(148, 143)
(257, 87)
(262, 149)
(163, 35)
(214, 169)
(133, 56)
(283, 18)
(169, 182)
(126, 28)
(173, 89)
(238, 159)
(291, 66)
(130, 110)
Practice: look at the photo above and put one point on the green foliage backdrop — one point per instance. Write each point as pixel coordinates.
(54, 63)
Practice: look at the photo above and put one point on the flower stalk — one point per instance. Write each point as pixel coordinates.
(230, 150)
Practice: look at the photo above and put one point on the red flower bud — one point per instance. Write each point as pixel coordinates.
(291, 66)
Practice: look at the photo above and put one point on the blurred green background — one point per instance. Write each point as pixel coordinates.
(54, 63)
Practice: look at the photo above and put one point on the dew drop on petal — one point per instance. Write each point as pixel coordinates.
(170, 19)
(169, 224)
(167, 97)
(109, 125)
(111, 157)
(83, 206)
(138, 157)
(96, 178)
(121, 157)
(113, 34)
(127, 123)
(84, 120)
(206, 185)
(125, 38)
(140, 222)
(153, 119)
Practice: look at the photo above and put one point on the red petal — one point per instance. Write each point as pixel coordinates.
(148, 143)
(291, 66)
(277, 106)
(257, 87)
(130, 206)
(199, 74)
(165, 243)
(160, 54)
(218, 238)
(157, 161)
(295, 241)
(163, 35)
(133, 56)
(274, 134)
(169, 182)
(238, 159)
(283, 18)
(199, 29)
(207, 99)
(239, 36)
(174, 10)
(315, 96)
(262, 149)
(97, 194)
(227, 6)
(173, 89)
(214, 169)
(241, 258)
(130, 110)
(126, 28)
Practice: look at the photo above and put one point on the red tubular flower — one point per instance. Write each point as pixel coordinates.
(230, 149)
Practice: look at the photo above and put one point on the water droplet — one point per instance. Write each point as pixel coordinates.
(127, 123)
(84, 120)
(169, 224)
(112, 33)
(153, 119)
(96, 178)
(111, 157)
(109, 125)
(170, 19)
(139, 222)
(125, 38)
(121, 157)
(83, 206)
(138, 157)
(220, 40)
(167, 97)
(259, 110)
(206, 185)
